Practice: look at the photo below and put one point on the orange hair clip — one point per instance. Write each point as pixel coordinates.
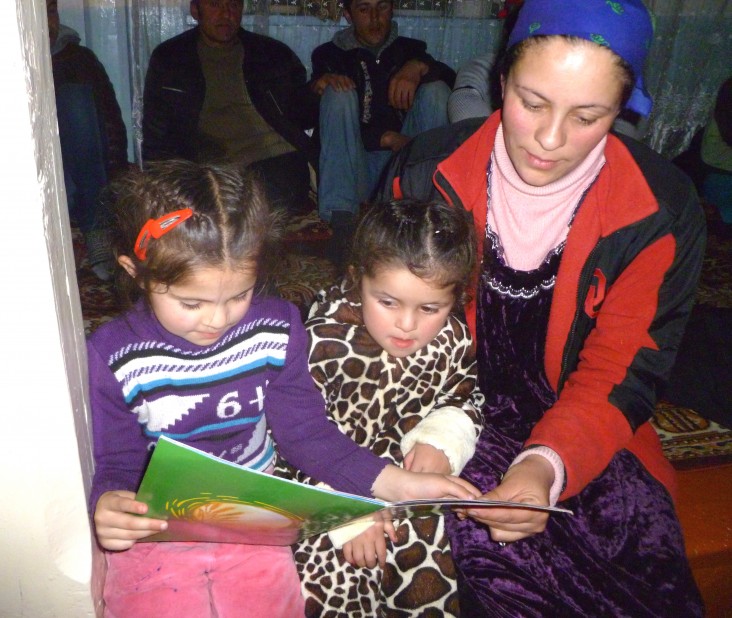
(155, 228)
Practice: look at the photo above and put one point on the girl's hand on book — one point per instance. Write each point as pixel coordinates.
(427, 458)
(117, 523)
(395, 484)
(369, 547)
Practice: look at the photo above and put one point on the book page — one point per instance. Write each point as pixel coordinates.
(204, 498)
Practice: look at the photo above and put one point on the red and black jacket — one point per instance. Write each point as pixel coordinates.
(623, 294)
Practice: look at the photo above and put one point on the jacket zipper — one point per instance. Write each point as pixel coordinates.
(271, 96)
(582, 286)
(450, 194)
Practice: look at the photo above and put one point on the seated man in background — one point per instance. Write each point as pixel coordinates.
(377, 90)
(92, 134)
(219, 93)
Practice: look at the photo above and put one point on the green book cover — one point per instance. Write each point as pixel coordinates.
(205, 498)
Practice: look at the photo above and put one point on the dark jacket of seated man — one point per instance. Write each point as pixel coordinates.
(175, 90)
(371, 71)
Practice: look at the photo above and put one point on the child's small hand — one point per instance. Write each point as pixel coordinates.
(369, 547)
(427, 458)
(117, 524)
(396, 484)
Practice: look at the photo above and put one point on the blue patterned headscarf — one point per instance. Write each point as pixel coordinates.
(624, 26)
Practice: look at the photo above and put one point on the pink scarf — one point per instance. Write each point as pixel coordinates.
(531, 221)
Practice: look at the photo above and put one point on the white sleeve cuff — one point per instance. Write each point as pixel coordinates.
(448, 429)
(555, 460)
(341, 535)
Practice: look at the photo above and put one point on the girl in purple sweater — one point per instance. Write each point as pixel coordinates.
(204, 358)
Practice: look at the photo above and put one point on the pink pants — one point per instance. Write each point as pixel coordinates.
(202, 580)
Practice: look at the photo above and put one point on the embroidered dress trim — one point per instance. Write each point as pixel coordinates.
(491, 280)
(507, 290)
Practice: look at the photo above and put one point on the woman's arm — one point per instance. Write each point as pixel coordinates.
(626, 357)
(470, 97)
(608, 397)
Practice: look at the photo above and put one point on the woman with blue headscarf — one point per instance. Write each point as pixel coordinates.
(591, 249)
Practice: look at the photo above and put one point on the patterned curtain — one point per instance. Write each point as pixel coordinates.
(333, 9)
(690, 57)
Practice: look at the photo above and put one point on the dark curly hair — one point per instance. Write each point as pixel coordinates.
(434, 241)
(232, 226)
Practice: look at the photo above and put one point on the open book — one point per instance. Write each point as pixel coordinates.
(205, 498)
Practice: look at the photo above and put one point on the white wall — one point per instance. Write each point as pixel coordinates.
(45, 458)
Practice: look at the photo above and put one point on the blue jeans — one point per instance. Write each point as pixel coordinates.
(83, 150)
(348, 173)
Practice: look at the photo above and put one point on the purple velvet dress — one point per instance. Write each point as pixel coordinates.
(622, 553)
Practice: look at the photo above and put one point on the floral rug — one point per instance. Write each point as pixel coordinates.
(688, 440)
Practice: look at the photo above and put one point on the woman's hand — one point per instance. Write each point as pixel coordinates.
(528, 481)
(395, 484)
(427, 458)
(369, 547)
(117, 523)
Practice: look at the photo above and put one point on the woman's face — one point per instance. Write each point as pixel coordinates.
(559, 100)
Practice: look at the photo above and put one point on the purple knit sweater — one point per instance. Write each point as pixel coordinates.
(222, 399)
